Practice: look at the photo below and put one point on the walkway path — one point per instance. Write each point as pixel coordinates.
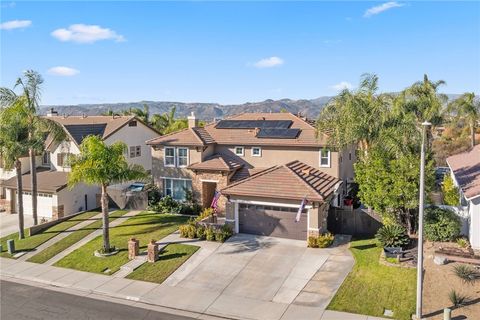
(59, 237)
(90, 237)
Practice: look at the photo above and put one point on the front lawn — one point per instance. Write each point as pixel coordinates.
(72, 238)
(172, 257)
(31, 242)
(372, 287)
(144, 227)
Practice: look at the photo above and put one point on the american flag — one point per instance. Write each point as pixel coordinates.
(214, 204)
(302, 206)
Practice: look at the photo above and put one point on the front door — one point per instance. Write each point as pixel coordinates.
(208, 192)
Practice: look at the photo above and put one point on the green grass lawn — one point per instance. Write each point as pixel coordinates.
(72, 238)
(144, 226)
(372, 287)
(31, 242)
(172, 257)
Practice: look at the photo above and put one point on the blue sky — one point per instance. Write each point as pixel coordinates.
(232, 52)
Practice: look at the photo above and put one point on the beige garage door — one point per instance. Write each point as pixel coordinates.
(273, 221)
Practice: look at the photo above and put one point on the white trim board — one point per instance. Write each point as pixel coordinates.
(274, 204)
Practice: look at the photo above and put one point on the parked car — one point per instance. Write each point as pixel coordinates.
(440, 173)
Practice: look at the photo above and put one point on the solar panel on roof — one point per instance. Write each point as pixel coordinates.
(252, 124)
(81, 131)
(278, 133)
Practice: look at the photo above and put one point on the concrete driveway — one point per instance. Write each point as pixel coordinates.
(254, 277)
(9, 223)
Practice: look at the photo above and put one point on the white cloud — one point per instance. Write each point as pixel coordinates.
(381, 8)
(269, 62)
(15, 24)
(342, 85)
(63, 71)
(83, 33)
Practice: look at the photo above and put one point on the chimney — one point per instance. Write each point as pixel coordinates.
(192, 120)
(52, 113)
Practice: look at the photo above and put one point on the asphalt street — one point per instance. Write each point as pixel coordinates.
(19, 302)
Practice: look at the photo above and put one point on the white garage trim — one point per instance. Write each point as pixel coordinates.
(206, 180)
(274, 204)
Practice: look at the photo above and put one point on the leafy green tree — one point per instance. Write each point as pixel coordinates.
(390, 185)
(166, 123)
(142, 114)
(103, 165)
(467, 108)
(38, 126)
(15, 144)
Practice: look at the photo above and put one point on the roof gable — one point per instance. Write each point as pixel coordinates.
(466, 168)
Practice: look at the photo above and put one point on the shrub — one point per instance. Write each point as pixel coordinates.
(207, 212)
(451, 196)
(210, 234)
(441, 224)
(223, 233)
(191, 231)
(392, 235)
(468, 274)
(457, 299)
(325, 240)
(201, 232)
(183, 230)
(312, 242)
(154, 195)
(189, 209)
(462, 242)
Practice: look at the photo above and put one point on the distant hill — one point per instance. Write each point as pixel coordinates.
(205, 111)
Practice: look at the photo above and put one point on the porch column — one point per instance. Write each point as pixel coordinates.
(237, 226)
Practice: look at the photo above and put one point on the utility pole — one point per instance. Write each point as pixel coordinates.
(421, 206)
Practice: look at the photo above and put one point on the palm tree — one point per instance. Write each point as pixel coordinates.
(356, 117)
(468, 109)
(99, 164)
(15, 144)
(37, 126)
(166, 123)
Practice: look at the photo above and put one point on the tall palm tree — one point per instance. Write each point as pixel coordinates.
(15, 144)
(162, 122)
(99, 164)
(38, 126)
(468, 109)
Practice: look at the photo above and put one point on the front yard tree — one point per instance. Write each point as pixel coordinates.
(467, 109)
(103, 165)
(14, 144)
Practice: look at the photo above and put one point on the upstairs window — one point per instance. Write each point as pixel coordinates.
(325, 158)
(256, 152)
(132, 123)
(182, 160)
(169, 157)
(46, 158)
(138, 151)
(240, 151)
(62, 160)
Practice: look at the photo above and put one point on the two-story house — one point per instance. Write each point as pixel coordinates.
(263, 164)
(54, 198)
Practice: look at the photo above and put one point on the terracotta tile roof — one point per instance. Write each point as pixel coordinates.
(47, 181)
(185, 137)
(79, 126)
(217, 162)
(466, 168)
(210, 134)
(245, 172)
(294, 181)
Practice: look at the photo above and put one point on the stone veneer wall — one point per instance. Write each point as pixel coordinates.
(57, 212)
(197, 186)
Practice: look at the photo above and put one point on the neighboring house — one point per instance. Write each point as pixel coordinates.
(54, 198)
(465, 168)
(264, 165)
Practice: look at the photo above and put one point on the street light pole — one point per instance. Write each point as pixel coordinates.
(421, 206)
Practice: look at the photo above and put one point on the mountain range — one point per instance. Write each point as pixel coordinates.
(205, 111)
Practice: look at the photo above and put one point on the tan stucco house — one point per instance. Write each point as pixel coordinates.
(54, 199)
(263, 164)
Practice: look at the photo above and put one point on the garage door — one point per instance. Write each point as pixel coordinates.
(273, 221)
(44, 204)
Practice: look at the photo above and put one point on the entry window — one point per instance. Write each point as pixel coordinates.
(169, 157)
(256, 152)
(135, 151)
(62, 159)
(177, 188)
(46, 158)
(182, 154)
(324, 158)
(240, 151)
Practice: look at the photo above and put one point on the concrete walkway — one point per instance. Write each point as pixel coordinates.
(9, 223)
(90, 237)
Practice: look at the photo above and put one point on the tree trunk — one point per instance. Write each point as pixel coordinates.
(33, 175)
(106, 236)
(18, 168)
(472, 132)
